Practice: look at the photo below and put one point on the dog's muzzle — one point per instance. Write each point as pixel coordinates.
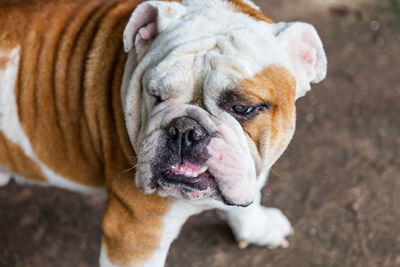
(186, 154)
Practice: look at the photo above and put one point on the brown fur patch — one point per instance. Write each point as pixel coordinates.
(68, 96)
(3, 62)
(43, 94)
(14, 159)
(276, 85)
(247, 9)
(242, 7)
(132, 232)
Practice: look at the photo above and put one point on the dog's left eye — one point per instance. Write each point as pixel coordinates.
(243, 110)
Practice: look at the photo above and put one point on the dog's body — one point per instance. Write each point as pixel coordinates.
(63, 72)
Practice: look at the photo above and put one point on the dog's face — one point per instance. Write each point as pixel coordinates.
(209, 96)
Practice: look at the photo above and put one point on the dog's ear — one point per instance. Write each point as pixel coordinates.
(147, 21)
(306, 52)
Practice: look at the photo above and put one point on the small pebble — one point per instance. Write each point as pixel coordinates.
(374, 25)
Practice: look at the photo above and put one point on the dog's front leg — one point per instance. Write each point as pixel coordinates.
(139, 231)
(259, 225)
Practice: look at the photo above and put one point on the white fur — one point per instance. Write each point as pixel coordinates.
(252, 4)
(159, 13)
(226, 47)
(5, 176)
(259, 225)
(252, 47)
(10, 125)
(307, 54)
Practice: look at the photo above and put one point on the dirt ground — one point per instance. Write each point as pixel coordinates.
(338, 182)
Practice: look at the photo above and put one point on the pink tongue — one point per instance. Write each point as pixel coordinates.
(186, 168)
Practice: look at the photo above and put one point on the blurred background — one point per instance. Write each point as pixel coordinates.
(338, 182)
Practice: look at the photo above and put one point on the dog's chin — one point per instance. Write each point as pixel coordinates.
(200, 187)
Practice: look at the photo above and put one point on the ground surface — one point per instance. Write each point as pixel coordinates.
(338, 182)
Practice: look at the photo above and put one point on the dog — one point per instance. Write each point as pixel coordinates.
(168, 108)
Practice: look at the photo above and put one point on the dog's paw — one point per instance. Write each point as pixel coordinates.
(263, 227)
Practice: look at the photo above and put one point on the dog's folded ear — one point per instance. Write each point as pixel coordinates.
(306, 52)
(147, 21)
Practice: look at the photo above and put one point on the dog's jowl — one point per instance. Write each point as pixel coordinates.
(197, 98)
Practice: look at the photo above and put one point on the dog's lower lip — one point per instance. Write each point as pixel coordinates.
(202, 182)
(180, 178)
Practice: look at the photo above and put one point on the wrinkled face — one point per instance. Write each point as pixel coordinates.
(208, 111)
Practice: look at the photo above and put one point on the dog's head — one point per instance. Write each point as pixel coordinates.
(209, 96)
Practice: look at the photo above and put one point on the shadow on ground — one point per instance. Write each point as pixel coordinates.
(338, 182)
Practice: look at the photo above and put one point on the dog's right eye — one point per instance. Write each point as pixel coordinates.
(155, 99)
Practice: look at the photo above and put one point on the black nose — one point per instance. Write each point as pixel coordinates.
(184, 134)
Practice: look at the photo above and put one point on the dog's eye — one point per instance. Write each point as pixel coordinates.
(243, 110)
(155, 99)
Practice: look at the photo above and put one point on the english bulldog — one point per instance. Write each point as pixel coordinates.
(168, 108)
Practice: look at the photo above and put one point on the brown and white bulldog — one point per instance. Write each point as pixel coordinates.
(189, 102)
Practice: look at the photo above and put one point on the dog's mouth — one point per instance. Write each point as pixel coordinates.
(189, 178)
